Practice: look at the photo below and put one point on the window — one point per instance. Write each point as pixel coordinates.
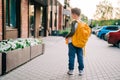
(112, 28)
(31, 19)
(11, 13)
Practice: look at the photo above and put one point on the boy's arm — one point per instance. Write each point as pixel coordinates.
(72, 29)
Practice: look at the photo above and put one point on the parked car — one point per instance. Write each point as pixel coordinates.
(114, 38)
(105, 29)
(106, 35)
(95, 29)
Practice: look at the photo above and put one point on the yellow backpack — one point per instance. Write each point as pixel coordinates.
(81, 35)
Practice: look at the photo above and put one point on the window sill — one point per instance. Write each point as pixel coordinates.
(10, 28)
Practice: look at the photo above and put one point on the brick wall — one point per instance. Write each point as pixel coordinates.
(0, 19)
(60, 18)
(24, 18)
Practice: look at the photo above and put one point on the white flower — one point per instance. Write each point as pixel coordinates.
(4, 47)
(11, 44)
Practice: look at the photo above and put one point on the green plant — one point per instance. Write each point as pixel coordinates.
(9, 45)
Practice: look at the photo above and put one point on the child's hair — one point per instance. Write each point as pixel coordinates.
(76, 11)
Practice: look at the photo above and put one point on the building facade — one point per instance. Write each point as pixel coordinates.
(30, 18)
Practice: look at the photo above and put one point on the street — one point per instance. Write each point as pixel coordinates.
(102, 62)
(102, 59)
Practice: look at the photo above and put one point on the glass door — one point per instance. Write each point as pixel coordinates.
(31, 20)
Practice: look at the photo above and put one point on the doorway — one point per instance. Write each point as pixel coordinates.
(31, 19)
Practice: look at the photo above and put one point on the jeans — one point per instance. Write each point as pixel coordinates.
(71, 54)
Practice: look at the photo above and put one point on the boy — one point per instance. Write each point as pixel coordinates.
(72, 49)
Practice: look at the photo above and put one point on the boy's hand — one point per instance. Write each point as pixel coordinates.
(66, 40)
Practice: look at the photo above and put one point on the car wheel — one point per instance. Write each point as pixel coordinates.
(114, 44)
(119, 44)
(102, 36)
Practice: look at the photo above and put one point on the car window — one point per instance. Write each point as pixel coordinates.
(119, 27)
(112, 28)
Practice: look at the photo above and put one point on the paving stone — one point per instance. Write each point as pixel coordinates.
(53, 64)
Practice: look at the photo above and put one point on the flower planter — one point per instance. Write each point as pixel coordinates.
(20, 53)
(15, 58)
(43, 48)
(0, 63)
(36, 50)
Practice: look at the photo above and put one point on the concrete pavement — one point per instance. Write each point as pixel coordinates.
(53, 64)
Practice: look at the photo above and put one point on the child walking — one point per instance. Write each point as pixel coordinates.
(72, 49)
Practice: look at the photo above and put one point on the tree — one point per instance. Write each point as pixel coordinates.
(117, 11)
(104, 11)
(84, 18)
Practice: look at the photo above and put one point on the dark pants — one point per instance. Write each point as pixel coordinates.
(71, 54)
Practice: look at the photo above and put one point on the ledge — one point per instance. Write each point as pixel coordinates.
(13, 59)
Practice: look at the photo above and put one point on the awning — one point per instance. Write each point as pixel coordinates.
(66, 12)
(42, 2)
(61, 2)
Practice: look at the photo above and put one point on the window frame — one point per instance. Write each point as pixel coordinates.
(8, 22)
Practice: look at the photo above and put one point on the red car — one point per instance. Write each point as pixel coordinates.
(114, 38)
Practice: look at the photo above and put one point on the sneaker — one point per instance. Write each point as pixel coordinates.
(81, 72)
(70, 72)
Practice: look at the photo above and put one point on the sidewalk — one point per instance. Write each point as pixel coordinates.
(52, 65)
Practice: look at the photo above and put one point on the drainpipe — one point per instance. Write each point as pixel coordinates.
(51, 21)
(3, 19)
